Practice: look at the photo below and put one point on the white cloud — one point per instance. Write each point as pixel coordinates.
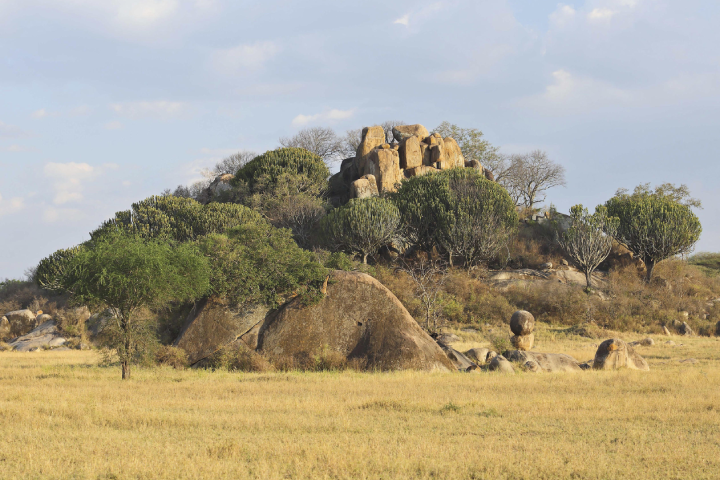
(144, 12)
(600, 14)
(329, 115)
(10, 131)
(404, 20)
(42, 113)
(113, 125)
(244, 58)
(67, 180)
(16, 148)
(80, 110)
(563, 15)
(54, 214)
(157, 109)
(10, 206)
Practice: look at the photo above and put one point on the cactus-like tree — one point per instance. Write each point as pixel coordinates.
(362, 226)
(589, 238)
(263, 173)
(458, 211)
(654, 225)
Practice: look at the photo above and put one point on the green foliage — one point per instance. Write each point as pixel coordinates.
(257, 263)
(363, 225)
(127, 273)
(588, 241)
(654, 225)
(459, 211)
(176, 219)
(305, 171)
(708, 262)
(339, 261)
(51, 269)
(471, 142)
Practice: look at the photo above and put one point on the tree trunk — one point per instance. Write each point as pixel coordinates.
(365, 258)
(649, 266)
(588, 279)
(126, 361)
(125, 370)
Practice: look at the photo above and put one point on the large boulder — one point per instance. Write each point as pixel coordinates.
(372, 137)
(401, 132)
(614, 353)
(360, 319)
(384, 164)
(410, 154)
(548, 362)
(211, 325)
(686, 330)
(42, 337)
(522, 322)
(420, 171)
(364, 187)
(21, 322)
(523, 342)
(478, 355)
(453, 154)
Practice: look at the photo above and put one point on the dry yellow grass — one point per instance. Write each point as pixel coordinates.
(62, 416)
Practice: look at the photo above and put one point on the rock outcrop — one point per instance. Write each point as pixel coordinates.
(686, 330)
(500, 364)
(43, 337)
(547, 362)
(478, 355)
(211, 325)
(364, 187)
(360, 319)
(461, 362)
(522, 324)
(614, 353)
(417, 152)
(20, 322)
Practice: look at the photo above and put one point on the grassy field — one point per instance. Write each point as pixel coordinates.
(63, 416)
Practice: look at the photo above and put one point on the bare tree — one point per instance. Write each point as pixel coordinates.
(388, 126)
(231, 164)
(350, 142)
(529, 176)
(321, 141)
(428, 276)
(473, 146)
(589, 239)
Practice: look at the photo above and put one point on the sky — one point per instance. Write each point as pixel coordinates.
(106, 102)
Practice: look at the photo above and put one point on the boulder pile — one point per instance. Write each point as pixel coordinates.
(413, 152)
(522, 324)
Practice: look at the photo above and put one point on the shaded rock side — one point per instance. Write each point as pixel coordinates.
(211, 325)
(614, 353)
(402, 132)
(364, 187)
(548, 362)
(21, 322)
(44, 336)
(384, 164)
(359, 318)
(461, 362)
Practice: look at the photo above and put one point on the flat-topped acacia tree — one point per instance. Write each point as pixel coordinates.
(126, 273)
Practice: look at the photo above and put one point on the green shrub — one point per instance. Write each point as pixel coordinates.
(458, 211)
(305, 171)
(257, 263)
(171, 356)
(362, 226)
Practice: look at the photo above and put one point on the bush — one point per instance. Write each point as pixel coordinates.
(305, 171)
(258, 263)
(458, 211)
(237, 358)
(171, 356)
(178, 219)
(708, 262)
(362, 226)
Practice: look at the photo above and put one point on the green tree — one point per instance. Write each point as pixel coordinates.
(51, 269)
(363, 226)
(458, 211)
(589, 239)
(308, 171)
(654, 225)
(176, 219)
(472, 144)
(126, 273)
(258, 263)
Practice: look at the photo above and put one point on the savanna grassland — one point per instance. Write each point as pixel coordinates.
(62, 415)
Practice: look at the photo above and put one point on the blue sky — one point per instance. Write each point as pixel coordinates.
(106, 102)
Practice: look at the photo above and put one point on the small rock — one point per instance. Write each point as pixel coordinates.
(447, 338)
(645, 342)
(564, 262)
(666, 331)
(500, 364)
(532, 366)
(585, 366)
(546, 266)
(477, 355)
(490, 356)
(670, 343)
(684, 315)
(689, 360)
(686, 330)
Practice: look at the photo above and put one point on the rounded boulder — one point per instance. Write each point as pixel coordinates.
(522, 322)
